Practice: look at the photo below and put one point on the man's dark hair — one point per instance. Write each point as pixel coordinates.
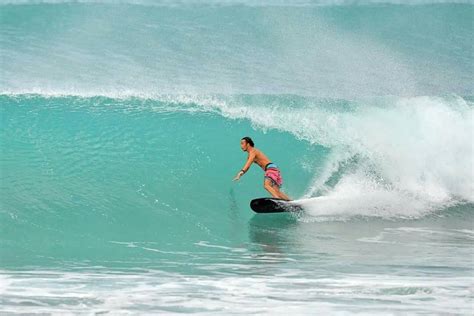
(249, 140)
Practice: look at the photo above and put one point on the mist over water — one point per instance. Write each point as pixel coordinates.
(132, 48)
(120, 129)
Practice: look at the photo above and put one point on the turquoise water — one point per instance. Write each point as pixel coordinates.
(120, 130)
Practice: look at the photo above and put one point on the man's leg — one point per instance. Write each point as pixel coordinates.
(282, 195)
(267, 184)
(274, 190)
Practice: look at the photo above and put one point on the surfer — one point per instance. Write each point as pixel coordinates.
(272, 178)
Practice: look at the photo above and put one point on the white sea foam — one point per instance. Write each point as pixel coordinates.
(172, 293)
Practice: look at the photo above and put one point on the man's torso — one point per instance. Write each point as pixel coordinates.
(260, 159)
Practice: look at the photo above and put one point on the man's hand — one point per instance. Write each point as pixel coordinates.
(237, 177)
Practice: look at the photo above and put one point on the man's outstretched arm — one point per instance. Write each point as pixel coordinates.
(246, 167)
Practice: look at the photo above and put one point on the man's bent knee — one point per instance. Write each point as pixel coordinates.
(267, 185)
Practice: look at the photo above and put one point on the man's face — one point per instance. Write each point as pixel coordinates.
(243, 144)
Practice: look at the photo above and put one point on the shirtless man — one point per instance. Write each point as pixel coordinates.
(272, 179)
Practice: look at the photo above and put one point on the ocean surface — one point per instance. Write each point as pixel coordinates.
(119, 138)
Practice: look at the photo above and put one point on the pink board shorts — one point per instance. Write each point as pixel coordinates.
(273, 174)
